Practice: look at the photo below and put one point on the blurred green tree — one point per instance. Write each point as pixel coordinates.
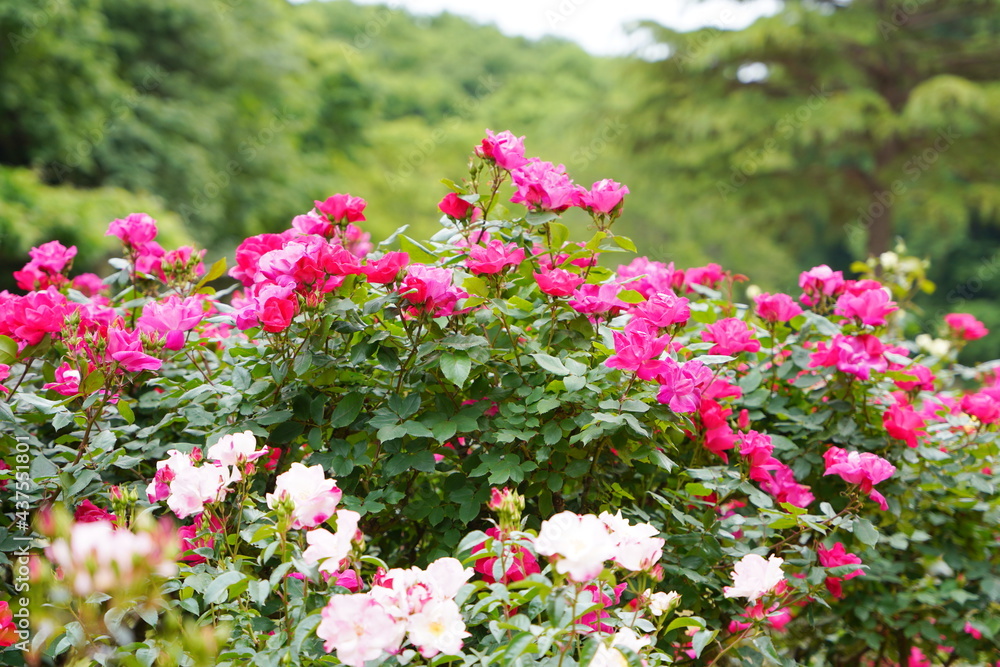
(833, 125)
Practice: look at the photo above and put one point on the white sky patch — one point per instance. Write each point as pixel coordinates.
(599, 26)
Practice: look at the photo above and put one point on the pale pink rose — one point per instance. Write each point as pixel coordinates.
(331, 549)
(234, 448)
(579, 544)
(98, 557)
(637, 546)
(191, 488)
(358, 629)
(313, 496)
(753, 577)
(446, 576)
(437, 628)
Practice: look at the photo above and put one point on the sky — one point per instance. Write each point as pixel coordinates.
(597, 25)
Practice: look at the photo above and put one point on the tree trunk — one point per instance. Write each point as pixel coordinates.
(880, 223)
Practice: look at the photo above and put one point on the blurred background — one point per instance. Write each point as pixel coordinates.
(766, 136)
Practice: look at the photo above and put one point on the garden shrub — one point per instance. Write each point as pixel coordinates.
(487, 448)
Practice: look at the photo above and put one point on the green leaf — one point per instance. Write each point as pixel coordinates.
(126, 411)
(625, 243)
(214, 272)
(347, 410)
(92, 383)
(8, 350)
(865, 531)
(456, 367)
(686, 622)
(218, 590)
(559, 233)
(551, 364)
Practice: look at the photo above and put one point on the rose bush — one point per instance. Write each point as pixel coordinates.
(305, 467)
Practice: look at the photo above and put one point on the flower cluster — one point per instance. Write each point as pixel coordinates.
(403, 604)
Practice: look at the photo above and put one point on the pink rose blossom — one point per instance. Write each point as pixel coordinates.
(681, 385)
(125, 347)
(903, 423)
(544, 186)
(454, 206)
(964, 326)
(598, 299)
(604, 196)
(638, 349)
(857, 355)
(754, 577)
(870, 307)
(172, 318)
(67, 380)
(314, 497)
(359, 629)
(862, 468)
(731, 336)
(504, 148)
(330, 550)
(649, 278)
(385, 269)
(494, 257)
(818, 282)
(982, 406)
(663, 310)
(135, 231)
(558, 282)
(835, 557)
(340, 208)
(776, 307)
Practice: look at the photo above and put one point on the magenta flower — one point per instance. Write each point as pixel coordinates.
(386, 269)
(520, 562)
(598, 299)
(923, 378)
(505, 149)
(776, 307)
(125, 347)
(430, 289)
(649, 278)
(454, 206)
(964, 326)
(663, 310)
(870, 307)
(857, 355)
(638, 349)
(67, 380)
(249, 252)
(341, 208)
(558, 282)
(709, 275)
(135, 231)
(544, 186)
(862, 468)
(756, 448)
(172, 318)
(604, 196)
(982, 406)
(494, 257)
(681, 385)
(731, 336)
(818, 282)
(836, 557)
(903, 423)
(780, 482)
(53, 256)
